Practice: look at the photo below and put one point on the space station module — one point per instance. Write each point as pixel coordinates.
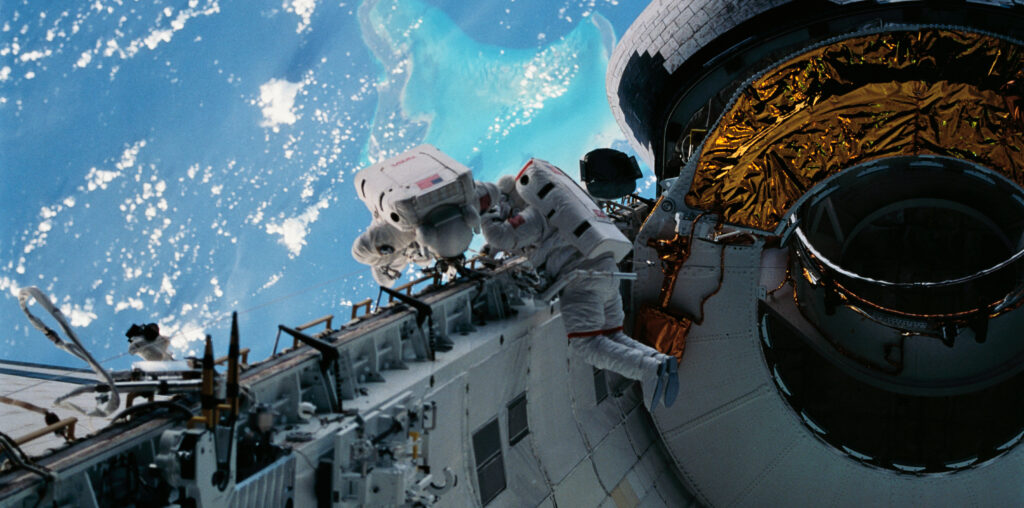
(425, 206)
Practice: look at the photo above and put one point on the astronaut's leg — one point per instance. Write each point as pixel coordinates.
(613, 319)
(582, 303)
(604, 353)
(668, 377)
(590, 319)
(665, 378)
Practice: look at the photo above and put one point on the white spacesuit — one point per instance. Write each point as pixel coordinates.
(591, 305)
(146, 342)
(425, 207)
(388, 251)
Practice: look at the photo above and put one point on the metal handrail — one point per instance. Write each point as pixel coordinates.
(67, 423)
(325, 320)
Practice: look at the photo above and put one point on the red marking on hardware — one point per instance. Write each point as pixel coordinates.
(403, 161)
(528, 163)
(429, 181)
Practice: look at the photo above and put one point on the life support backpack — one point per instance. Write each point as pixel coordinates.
(426, 192)
(404, 190)
(570, 210)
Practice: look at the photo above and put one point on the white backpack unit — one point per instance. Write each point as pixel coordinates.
(570, 210)
(404, 189)
(425, 191)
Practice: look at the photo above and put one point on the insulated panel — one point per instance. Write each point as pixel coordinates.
(729, 452)
(580, 487)
(639, 430)
(526, 483)
(596, 420)
(496, 381)
(451, 427)
(613, 457)
(550, 410)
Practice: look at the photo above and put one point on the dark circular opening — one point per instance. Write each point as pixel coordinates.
(908, 433)
(917, 235)
(395, 217)
(924, 240)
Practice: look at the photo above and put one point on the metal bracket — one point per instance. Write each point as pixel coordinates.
(423, 314)
(327, 351)
(787, 231)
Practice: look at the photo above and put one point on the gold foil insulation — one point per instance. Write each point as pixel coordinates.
(924, 92)
(662, 330)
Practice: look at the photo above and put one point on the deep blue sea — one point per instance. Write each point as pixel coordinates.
(175, 161)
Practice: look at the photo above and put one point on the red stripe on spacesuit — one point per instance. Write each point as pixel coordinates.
(524, 168)
(516, 221)
(594, 333)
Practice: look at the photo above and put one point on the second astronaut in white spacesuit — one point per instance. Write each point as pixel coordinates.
(591, 305)
(388, 250)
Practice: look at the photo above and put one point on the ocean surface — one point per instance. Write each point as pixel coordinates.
(172, 162)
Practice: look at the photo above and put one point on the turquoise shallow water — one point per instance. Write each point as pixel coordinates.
(171, 163)
(492, 107)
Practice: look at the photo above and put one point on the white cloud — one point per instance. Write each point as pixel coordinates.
(277, 102)
(156, 37)
(32, 56)
(79, 315)
(293, 230)
(167, 287)
(7, 284)
(98, 178)
(130, 303)
(303, 9)
(129, 155)
(125, 49)
(181, 334)
(84, 59)
(273, 280)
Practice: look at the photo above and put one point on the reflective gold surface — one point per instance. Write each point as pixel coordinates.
(662, 331)
(937, 92)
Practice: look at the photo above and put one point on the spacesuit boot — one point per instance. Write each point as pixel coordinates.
(668, 370)
(604, 353)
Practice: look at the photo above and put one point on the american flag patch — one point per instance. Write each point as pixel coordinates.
(429, 181)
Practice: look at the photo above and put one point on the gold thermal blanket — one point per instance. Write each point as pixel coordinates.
(924, 92)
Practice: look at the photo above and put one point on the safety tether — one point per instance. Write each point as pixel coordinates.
(112, 400)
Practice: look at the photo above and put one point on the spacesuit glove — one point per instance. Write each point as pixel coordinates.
(385, 275)
(493, 215)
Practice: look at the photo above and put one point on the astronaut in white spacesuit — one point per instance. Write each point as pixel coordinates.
(388, 250)
(425, 208)
(591, 305)
(147, 342)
